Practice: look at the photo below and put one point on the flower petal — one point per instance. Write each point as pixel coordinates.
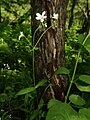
(43, 13)
(21, 33)
(55, 16)
(38, 15)
(44, 17)
(38, 18)
(41, 17)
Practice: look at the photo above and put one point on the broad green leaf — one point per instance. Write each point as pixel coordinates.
(87, 41)
(85, 78)
(25, 91)
(86, 112)
(52, 102)
(87, 47)
(61, 111)
(61, 70)
(31, 89)
(77, 100)
(87, 44)
(81, 38)
(41, 83)
(83, 88)
(82, 117)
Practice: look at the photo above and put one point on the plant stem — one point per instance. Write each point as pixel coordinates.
(34, 46)
(71, 82)
(33, 54)
(41, 37)
(73, 76)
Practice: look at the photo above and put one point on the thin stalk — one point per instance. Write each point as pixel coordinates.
(41, 37)
(36, 46)
(73, 76)
(33, 55)
(28, 40)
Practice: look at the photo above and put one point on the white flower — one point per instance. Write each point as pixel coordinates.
(6, 66)
(41, 17)
(45, 24)
(2, 110)
(21, 35)
(55, 16)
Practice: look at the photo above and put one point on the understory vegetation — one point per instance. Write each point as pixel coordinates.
(18, 91)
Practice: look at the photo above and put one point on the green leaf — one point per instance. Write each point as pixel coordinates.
(85, 78)
(82, 117)
(52, 102)
(61, 111)
(87, 47)
(77, 100)
(61, 70)
(41, 83)
(83, 88)
(87, 42)
(30, 89)
(86, 112)
(81, 38)
(25, 91)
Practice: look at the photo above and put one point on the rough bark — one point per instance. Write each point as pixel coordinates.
(86, 18)
(72, 13)
(51, 48)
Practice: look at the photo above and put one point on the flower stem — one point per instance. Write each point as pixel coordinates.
(34, 46)
(73, 76)
(41, 37)
(33, 54)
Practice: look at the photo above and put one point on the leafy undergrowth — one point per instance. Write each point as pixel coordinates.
(62, 111)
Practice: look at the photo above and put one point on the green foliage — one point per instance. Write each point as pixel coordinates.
(85, 78)
(31, 89)
(25, 91)
(3, 97)
(85, 88)
(63, 111)
(86, 112)
(61, 70)
(77, 100)
(81, 38)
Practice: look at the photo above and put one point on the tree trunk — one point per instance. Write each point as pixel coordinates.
(51, 48)
(74, 2)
